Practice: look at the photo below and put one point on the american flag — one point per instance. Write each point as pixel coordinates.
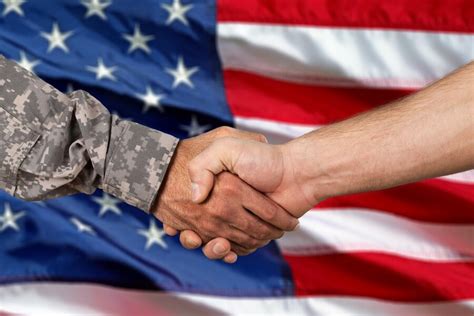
(280, 67)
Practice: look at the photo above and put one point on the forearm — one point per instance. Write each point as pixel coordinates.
(52, 144)
(428, 134)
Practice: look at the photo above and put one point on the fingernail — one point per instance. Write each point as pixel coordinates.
(219, 249)
(231, 259)
(195, 191)
(191, 242)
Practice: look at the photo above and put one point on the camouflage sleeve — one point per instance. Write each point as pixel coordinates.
(52, 144)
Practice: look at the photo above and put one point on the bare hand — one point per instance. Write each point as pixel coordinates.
(235, 211)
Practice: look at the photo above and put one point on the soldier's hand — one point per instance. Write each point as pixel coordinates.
(235, 211)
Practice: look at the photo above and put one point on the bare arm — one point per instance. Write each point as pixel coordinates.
(428, 134)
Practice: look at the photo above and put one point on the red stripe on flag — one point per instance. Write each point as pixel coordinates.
(382, 276)
(429, 15)
(252, 95)
(435, 200)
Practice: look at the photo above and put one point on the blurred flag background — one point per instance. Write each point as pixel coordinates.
(279, 67)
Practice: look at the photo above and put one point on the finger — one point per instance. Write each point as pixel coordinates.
(241, 251)
(267, 210)
(255, 227)
(230, 258)
(217, 157)
(170, 231)
(190, 240)
(242, 238)
(251, 136)
(226, 131)
(217, 248)
(210, 162)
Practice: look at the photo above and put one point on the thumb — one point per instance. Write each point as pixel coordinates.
(210, 162)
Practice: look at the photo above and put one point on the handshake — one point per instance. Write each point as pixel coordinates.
(233, 192)
(232, 215)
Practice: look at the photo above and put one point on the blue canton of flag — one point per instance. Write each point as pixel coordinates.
(153, 62)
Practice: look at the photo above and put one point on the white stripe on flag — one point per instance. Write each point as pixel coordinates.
(276, 132)
(461, 177)
(346, 230)
(280, 132)
(85, 299)
(343, 56)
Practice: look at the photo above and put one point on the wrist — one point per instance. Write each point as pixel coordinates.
(296, 179)
(316, 164)
(172, 189)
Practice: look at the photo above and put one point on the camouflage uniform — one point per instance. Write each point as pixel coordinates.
(53, 144)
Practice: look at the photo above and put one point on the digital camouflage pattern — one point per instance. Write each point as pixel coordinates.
(53, 144)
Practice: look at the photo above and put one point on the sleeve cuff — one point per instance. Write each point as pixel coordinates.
(139, 158)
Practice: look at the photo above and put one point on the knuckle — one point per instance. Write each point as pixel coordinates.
(224, 131)
(269, 214)
(251, 243)
(228, 185)
(208, 228)
(265, 234)
(245, 226)
(289, 224)
(290, 227)
(242, 240)
(259, 137)
(275, 233)
(193, 167)
(260, 232)
(219, 213)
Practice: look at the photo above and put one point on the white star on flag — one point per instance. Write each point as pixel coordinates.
(56, 38)
(177, 11)
(82, 227)
(138, 40)
(27, 64)
(102, 71)
(8, 219)
(182, 74)
(96, 7)
(107, 204)
(153, 235)
(151, 100)
(13, 6)
(194, 128)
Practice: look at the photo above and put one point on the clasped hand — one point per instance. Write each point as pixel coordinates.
(231, 215)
